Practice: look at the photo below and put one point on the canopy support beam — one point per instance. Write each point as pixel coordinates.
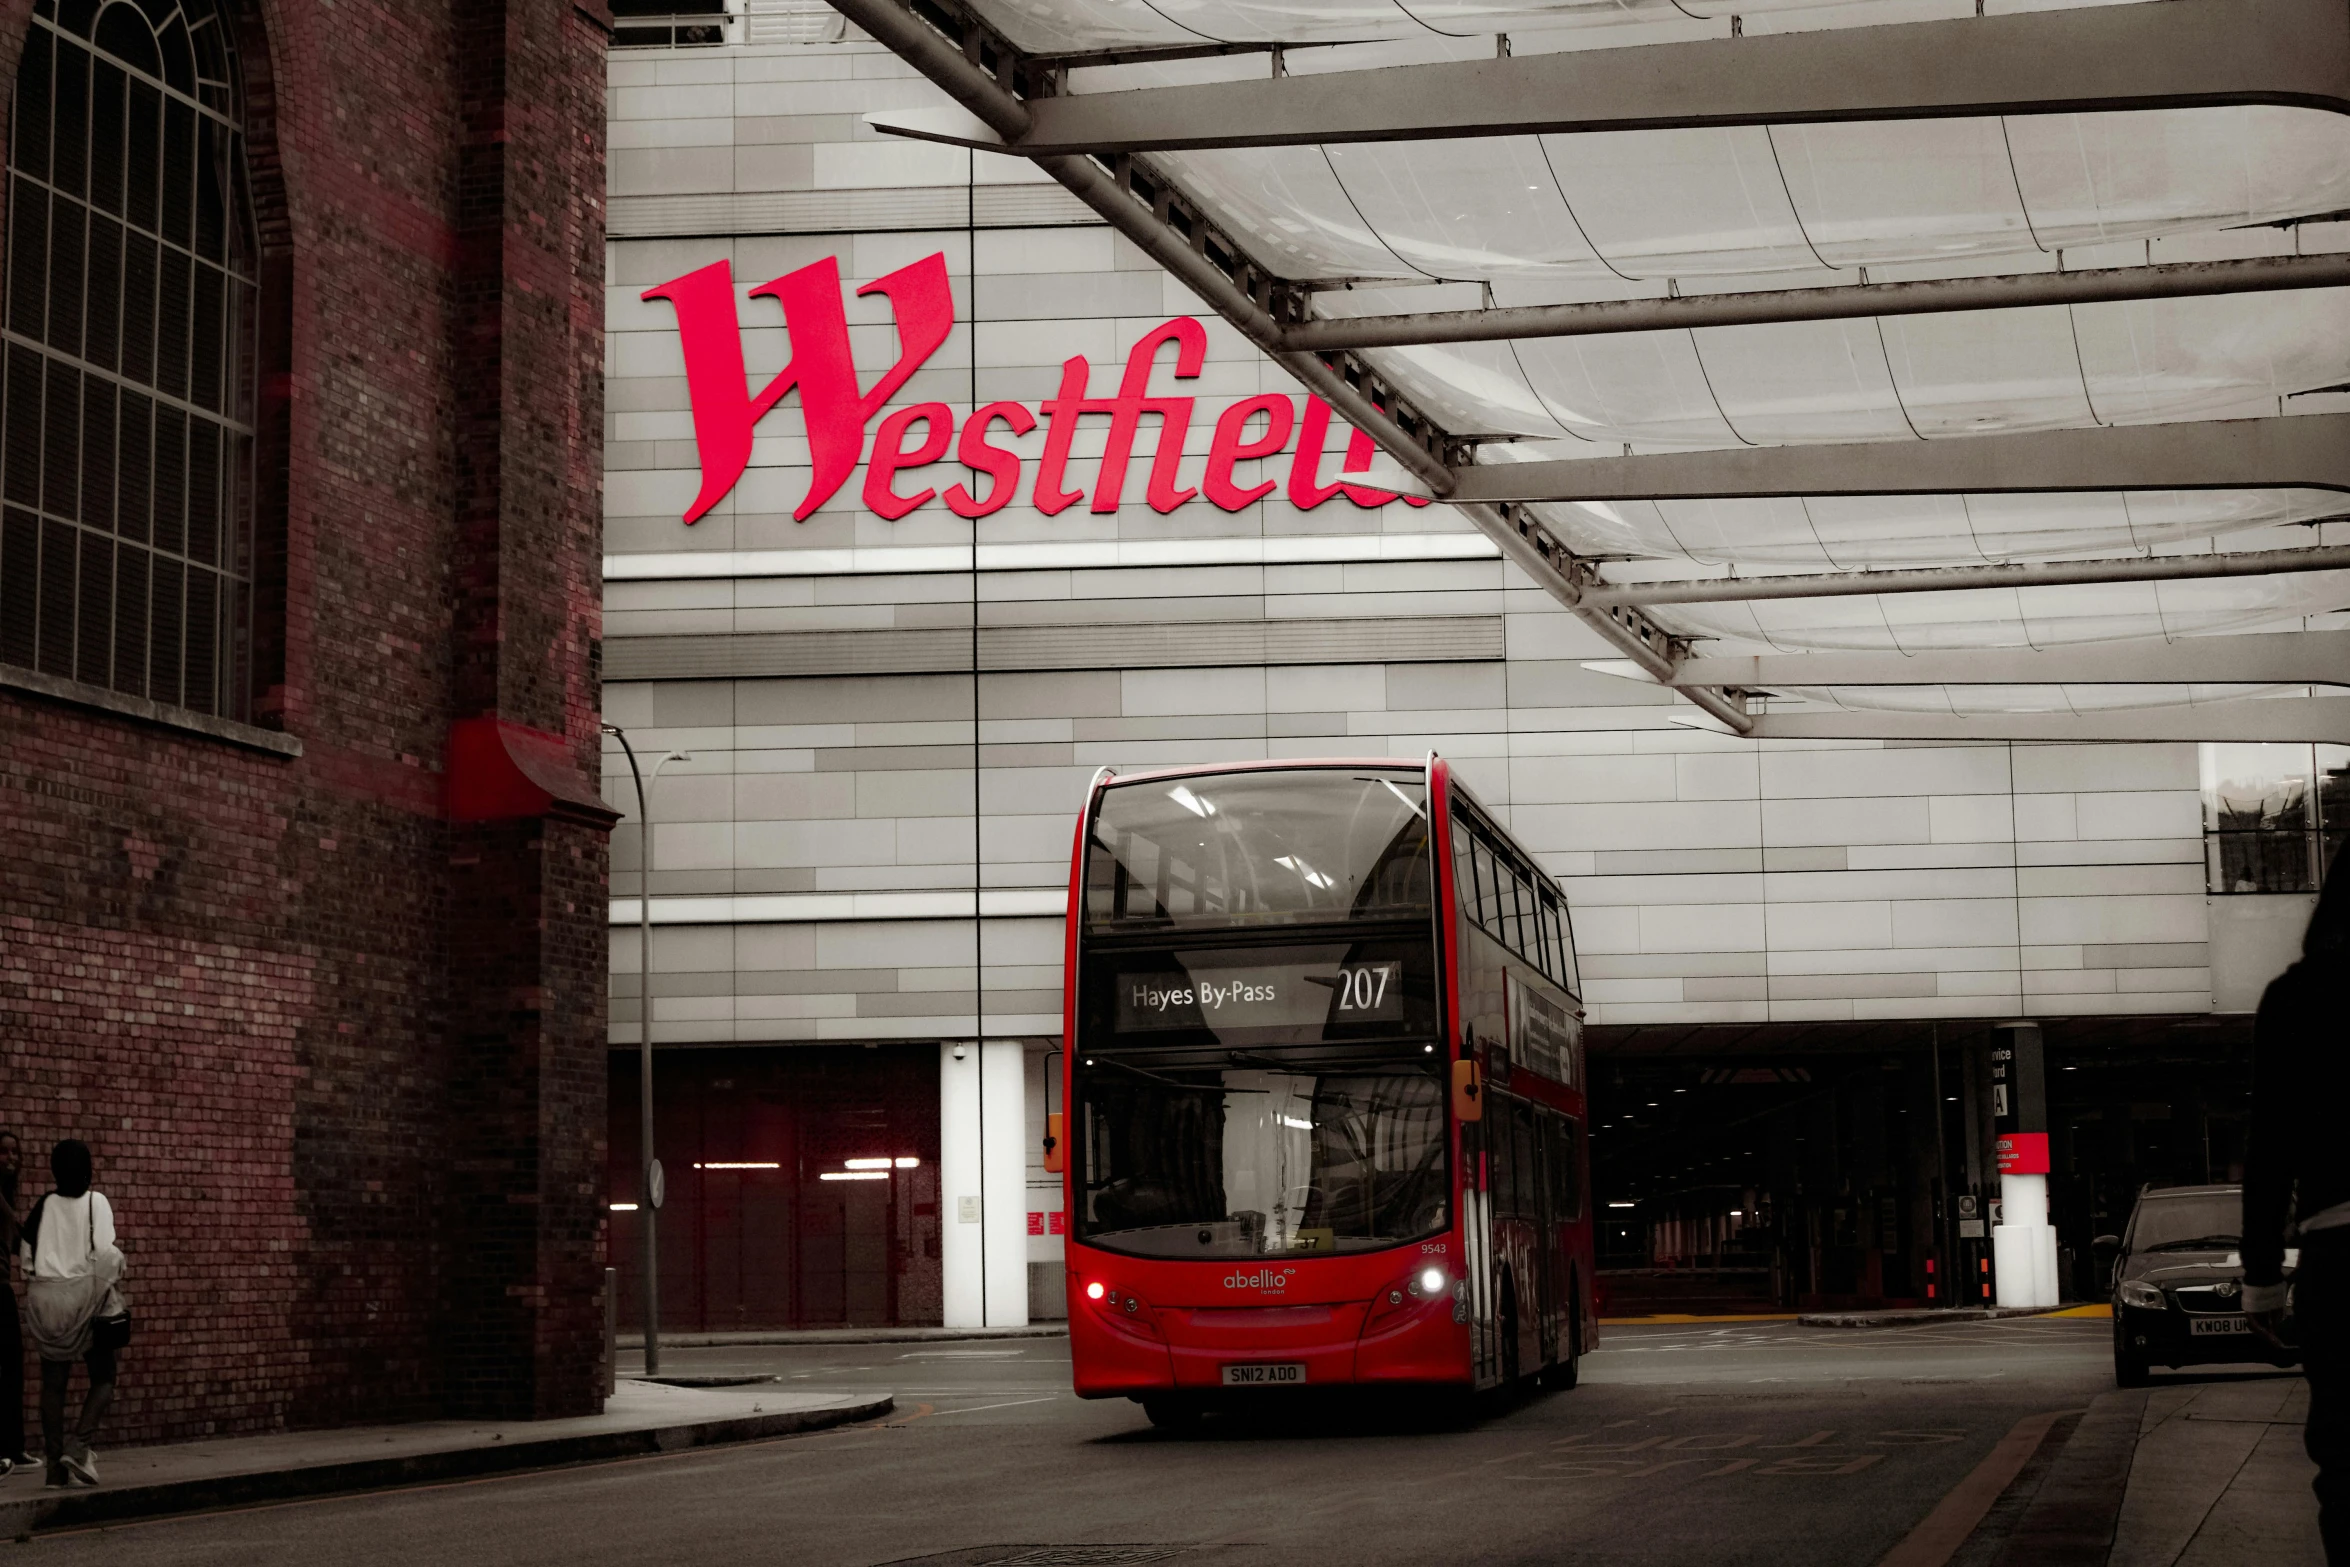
(2175, 54)
(2322, 718)
(2253, 658)
(2310, 451)
(2168, 280)
(1947, 579)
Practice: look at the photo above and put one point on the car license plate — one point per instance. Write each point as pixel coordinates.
(2198, 1326)
(1291, 1374)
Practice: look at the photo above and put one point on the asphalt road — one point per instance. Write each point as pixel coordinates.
(1726, 1444)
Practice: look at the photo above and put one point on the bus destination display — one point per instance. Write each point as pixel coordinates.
(1263, 995)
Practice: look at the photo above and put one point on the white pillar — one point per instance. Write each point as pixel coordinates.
(2023, 1243)
(1003, 1136)
(982, 1150)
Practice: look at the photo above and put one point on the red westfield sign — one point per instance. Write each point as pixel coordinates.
(838, 412)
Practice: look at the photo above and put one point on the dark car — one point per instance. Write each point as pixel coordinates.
(2178, 1285)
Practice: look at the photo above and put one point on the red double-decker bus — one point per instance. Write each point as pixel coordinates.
(1323, 1114)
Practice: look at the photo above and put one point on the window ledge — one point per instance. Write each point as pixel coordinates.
(16, 678)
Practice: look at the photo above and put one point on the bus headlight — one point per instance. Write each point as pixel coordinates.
(2139, 1293)
(1430, 1282)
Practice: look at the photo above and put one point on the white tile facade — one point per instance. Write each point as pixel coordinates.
(833, 715)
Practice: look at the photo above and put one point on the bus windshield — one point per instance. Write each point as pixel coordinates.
(1216, 1162)
(1273, 847)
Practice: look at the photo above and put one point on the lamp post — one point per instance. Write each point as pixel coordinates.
(649, 1184)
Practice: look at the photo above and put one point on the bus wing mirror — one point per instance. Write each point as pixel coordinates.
(1468, 1092)
(1053, 1158)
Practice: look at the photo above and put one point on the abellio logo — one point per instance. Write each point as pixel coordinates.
(838, 411)
(1262, 1279)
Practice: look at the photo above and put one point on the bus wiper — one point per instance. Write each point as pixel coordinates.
(2198, 1243)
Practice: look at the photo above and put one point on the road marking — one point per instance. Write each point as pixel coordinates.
(1937, 1538)
(1014, 1404)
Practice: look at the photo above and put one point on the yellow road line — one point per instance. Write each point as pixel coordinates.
(1936, 1539)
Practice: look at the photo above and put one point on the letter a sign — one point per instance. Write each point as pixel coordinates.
(836, 410)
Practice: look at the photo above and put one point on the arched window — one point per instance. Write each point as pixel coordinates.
(126, 401)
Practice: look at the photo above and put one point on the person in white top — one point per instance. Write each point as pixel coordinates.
(73, 1307)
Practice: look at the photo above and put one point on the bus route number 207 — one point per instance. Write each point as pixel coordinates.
(1369, 989)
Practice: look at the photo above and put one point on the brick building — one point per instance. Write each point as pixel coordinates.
(299, 614)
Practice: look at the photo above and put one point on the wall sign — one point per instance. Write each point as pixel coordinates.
(839, 412)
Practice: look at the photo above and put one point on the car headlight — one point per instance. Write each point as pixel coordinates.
(2141, 1294)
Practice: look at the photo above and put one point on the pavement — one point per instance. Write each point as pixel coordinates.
(2218, 1476)
(1917, 1318)
(636, 1341)
(640, 1417)
(1998, 1443)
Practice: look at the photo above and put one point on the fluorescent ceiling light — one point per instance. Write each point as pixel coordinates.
(738, 1164)
(1191, 802)
(854, 1175)
(1313, 877)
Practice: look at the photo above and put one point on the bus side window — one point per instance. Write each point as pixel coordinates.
(1464, 872)
(1567, 1173)
(1529, 1163)
(1528, 922)
(1486, 899)
(1551, 961)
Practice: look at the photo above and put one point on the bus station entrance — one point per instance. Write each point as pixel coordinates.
(1842, 1166)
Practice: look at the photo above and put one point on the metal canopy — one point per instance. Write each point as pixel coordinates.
(1834, 440)
(2181, 53)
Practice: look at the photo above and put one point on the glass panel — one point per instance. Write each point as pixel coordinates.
(1803, 381)
(2258, 811)
(1480, 388)
(1048, 26)
(2226, 357)
(2256, 788)
(1633, 386)
(1211, 1163)
(2088, 178)
(1903, 190)
(1681, 203)
(1479, 207)
(1259, 848)
(1984, 370)
(1292, 208)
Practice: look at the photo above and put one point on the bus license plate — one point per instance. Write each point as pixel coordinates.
(2199, 1326)
(1291, 1374)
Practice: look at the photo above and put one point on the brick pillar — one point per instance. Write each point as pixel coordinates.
(525, 1132)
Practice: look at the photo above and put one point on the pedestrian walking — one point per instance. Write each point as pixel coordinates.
(74, 1306)
(2297, 1163)
(12, 1450)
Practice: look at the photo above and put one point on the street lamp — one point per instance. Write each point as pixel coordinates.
(649, 1184)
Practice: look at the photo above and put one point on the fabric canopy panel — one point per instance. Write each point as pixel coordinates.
(2019, 617)
(2229, 356)
(1066, 26)
(1571, 217)
(1843, 532)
